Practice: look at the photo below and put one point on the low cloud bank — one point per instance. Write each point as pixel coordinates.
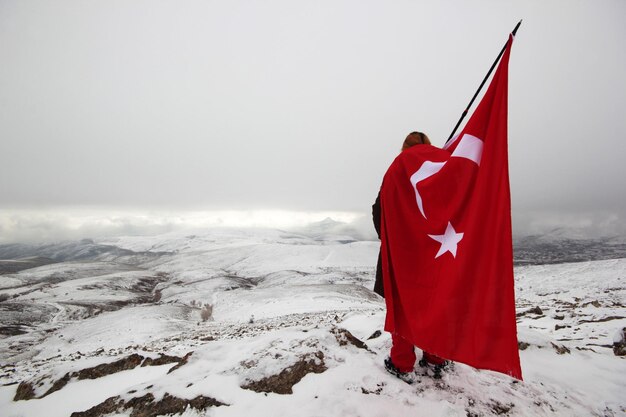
(569, 225)
(54, 225)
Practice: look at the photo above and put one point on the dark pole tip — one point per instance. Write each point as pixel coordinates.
(481, 84)
(517, 27)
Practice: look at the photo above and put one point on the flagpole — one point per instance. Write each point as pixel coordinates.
(483, 83)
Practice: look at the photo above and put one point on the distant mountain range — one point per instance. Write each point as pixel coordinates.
(550, 248)
(546, 249)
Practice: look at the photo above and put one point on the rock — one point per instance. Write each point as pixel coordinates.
(145, 406)
(161, 360)
(561, 350)
(344, 337)
(500, 408)
(374, 335)
(602, 320)
(96, 372)
(129, 362)
(585, 349)
(24, 391)
(283, 382)
(182, 362)
(109, 406)
(535, 310)
(206, 312)
(594, 303)
(58, 384)
(619, 343)
(522, 345)
(377, 391)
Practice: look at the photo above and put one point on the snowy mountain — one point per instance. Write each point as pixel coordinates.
(239, 322)
(552, 249)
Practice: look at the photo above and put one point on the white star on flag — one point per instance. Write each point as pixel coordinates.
(449, 241)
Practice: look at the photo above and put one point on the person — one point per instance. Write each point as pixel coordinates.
(401, 360)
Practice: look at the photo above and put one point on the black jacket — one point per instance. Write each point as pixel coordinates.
(378, 285)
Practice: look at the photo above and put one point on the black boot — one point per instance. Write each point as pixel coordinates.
(407, 377)
(437, 369)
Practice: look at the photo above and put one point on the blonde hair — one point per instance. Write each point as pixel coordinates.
(415, 138)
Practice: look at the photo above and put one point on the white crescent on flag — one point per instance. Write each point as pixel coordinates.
(469, 147)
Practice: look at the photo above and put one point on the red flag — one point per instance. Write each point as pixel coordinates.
(446, 242)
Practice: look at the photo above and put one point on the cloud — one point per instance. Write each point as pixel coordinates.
(241, 105)
(573, 225)
(53, 225)
(59, 224)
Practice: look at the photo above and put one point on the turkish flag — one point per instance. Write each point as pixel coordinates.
(447, 251)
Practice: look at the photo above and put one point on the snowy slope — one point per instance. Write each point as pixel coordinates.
(274, 323)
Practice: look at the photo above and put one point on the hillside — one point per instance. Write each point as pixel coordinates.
(234, 322)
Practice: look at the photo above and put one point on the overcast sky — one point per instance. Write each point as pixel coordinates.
(298, 105)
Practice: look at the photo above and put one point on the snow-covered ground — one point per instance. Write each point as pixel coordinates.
(269, 323)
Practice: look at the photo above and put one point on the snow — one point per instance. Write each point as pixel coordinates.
(280, 296)
(79, 395)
